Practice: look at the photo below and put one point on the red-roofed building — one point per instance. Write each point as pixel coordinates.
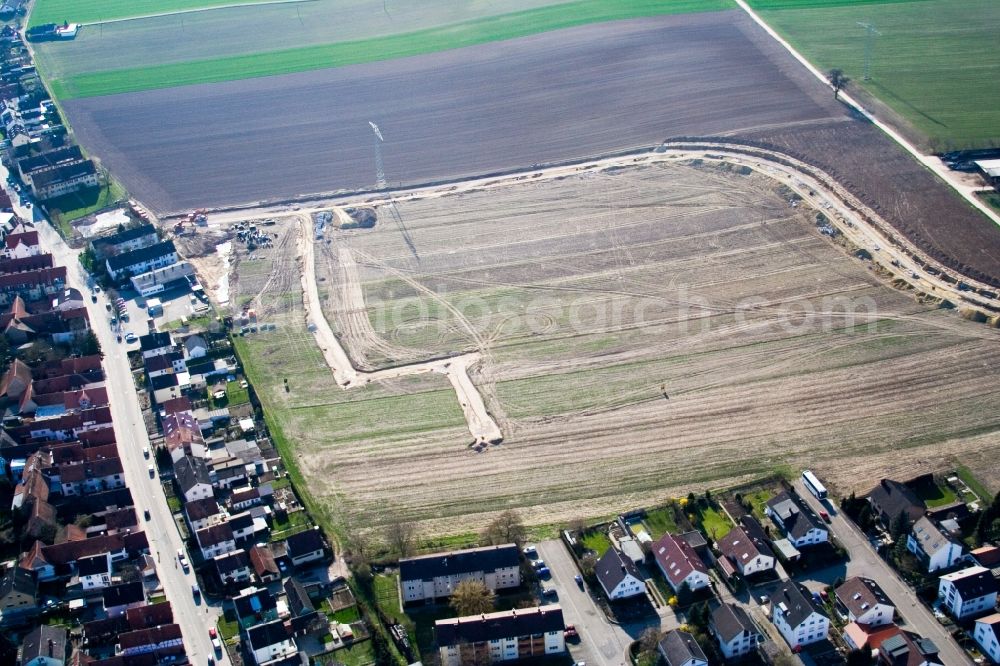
(679, 563)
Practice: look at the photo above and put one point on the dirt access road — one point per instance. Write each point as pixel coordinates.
(482, 426)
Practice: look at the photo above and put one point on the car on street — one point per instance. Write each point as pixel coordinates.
(93, 297)
(530, 551)
(182, 558)
(824, 515)
(579, 580)
(145, 452)
(119, 337)
(538, 564)
(543, 572)
(152, 471)
(97, 289)
(570, 631)
(550, 592)
(214, 635)
(107, 306)
(196, 592)
(130, 337)
(145, 514)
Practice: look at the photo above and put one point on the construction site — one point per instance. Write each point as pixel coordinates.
(510, 342)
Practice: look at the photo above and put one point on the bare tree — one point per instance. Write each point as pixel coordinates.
(838, 80)
(506, 528)
(472, 597)
(400, 535)
(588, 564)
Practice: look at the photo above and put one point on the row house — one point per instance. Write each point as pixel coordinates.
(91, 477)
(233, 567)
(134, 238)
(64, 179)
(164, 640)
(216, 540)
(431, 577)
(502, 636)
(142, 260)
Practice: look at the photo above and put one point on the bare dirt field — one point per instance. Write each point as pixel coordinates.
(644, 331)
(560, 95)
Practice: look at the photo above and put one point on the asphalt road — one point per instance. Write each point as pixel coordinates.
(866, 562)
(164, 540)
(560, 95)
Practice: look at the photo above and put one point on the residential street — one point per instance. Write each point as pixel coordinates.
(866, 562)
(164, 540)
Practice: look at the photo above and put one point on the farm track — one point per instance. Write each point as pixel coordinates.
(750, 386)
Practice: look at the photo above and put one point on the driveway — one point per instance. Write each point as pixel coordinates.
(600, 642)
(866, 562)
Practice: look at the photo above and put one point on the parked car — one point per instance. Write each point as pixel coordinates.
(570, 631)
(530, 551)
(543, 572)
(550, 592)
(93, 297)
(145, 452)
(538, 564)
(195, 592)
(145, 514)
(182, 559)
(214, 635)
(152, 471)
(579, 580)
(130, 337)
(824, 515)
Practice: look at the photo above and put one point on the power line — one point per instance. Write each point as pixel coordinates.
(870, 34)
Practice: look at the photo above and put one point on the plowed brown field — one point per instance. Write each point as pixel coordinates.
(644, 331)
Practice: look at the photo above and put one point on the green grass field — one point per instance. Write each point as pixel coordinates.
(80, 204)
(935, 63)
(74, 11)
(597, 541)
(102, 81)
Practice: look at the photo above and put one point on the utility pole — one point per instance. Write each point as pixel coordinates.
(870, 34)
(380, 183)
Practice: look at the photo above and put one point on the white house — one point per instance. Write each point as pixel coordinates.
(799, 523)
(679, 648)
(308, 546)
(735, 632)
(618, 576)
(432, 577)
(195, 347)
(861, 600)
(968, 592)
(679, 563)
(216, 540)
(987, 634)
(747, 554)
(193, 478)
(142, 260)
(270, 641)
(94, 572)
(796, 617)
(521, 633)
(931, 546)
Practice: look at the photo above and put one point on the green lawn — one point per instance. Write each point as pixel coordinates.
(992, 199)
(236, 395)
(74, 11)
(974, 484)
(758, 499)
(80, 204)
(347, 615)
(361, 654)
(440, 38)
(714, 523)
(660, 521)
(597, 541)
(935, 494)
(935, 63)
(228, 629)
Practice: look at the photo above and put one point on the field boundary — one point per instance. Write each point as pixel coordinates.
(195, 10)
(930, 162)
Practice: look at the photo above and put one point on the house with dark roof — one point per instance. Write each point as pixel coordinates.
(935, 549)
(618, 575)
(679, 648)
(309, 546)
(119, 598)
(94, 571)
(890, 498)
(216, 540)
(733, 629)
(987, 635)
(255, 606)
(862, 600)
(17, 596)
(43, 646)
(203, 512)
(63, 179)
(679, 563)
(968, 593)
(270, 641)
(748, 555)
(165, 364)
(155, 344)
(135, 238)
(47, 159)
(193, 478)
(908, 649)
(153, 615)
(233, 567)
(298, 598)
(800, 524)
(430, 577)
(799, 620)
(142, 260)
(521, 633)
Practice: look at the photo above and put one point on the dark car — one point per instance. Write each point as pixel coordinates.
(145, 514)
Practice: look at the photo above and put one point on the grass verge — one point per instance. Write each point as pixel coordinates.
(442, 38)
(74, 11)
(975, 484)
